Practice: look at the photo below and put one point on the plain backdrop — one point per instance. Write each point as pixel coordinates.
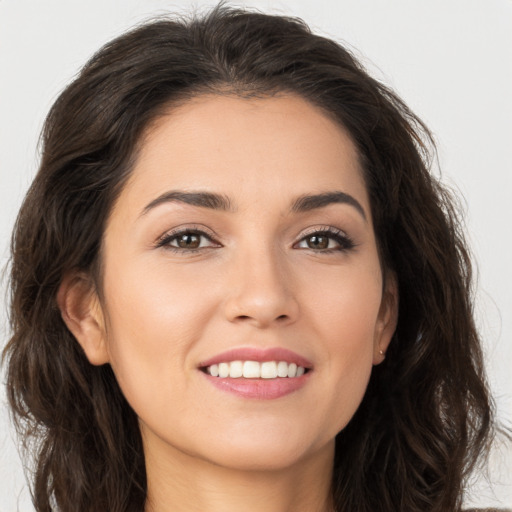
(451, 60)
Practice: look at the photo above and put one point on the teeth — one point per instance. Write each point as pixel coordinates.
(223, 370)
(252, 370)
(236, 369)
(255, 370)
(269, 370)
(282, 369)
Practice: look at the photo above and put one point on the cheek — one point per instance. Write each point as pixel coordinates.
(345, 305)
(154, 319)
(345, 316)
(351, 321)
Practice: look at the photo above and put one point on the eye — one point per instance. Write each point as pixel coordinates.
(326, 240)
(186, 240)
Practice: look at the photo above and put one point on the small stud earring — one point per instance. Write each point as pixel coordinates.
(381, 352)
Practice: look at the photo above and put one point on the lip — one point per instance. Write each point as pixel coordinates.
(258, 354)
(261, 389)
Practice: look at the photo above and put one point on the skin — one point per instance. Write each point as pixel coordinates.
(257, 281)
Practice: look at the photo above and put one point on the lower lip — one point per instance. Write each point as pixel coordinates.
(262, 389)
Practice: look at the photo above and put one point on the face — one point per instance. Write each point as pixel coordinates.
(243, 244)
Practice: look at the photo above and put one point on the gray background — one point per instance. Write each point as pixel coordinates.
(451, 60)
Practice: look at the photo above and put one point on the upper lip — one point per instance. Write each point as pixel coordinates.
(258, 354)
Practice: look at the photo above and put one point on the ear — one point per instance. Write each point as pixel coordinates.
(81, 311)
(387, 318)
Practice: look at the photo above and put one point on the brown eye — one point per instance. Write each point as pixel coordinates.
(317, 242)
(326, 241)
(188, 241)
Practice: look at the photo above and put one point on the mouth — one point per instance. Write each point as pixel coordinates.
(255, 370)
(257, 373)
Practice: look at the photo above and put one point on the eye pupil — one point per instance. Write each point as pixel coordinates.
(318, 242)
(188, 241)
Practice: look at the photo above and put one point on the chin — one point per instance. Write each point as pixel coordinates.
(253, 457)
(271, 449)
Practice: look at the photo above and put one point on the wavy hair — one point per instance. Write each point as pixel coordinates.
(426, 415)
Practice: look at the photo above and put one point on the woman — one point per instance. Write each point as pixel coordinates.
(235, 285)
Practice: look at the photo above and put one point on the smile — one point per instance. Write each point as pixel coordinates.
(256, 373)
(255, 370)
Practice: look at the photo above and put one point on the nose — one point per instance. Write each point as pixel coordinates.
(260, 291)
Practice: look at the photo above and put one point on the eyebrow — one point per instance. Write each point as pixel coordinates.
(307, 203)
(221, 202)
(201, 199)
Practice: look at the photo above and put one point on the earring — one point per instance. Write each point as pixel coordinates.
(381, 352)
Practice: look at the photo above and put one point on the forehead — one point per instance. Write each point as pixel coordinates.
(258, 149)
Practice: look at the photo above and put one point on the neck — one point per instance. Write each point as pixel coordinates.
(180, 483)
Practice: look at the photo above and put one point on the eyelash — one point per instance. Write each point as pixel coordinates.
(345, 243)
(167, 238)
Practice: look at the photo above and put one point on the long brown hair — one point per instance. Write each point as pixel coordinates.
(426, 415)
